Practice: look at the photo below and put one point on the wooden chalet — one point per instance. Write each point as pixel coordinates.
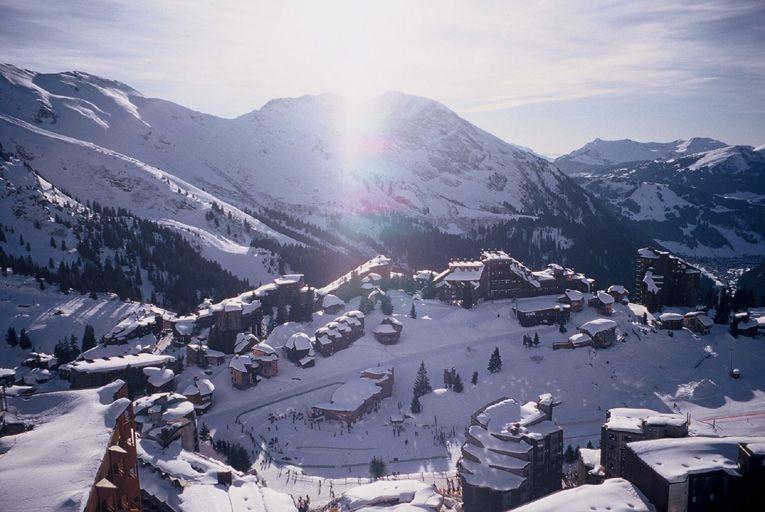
(671, 321)
(698, 322)
(243, 371)
(601, 330)
(573, 298)
(603, 302)
(299, 350)
(541, 311)
(389, 331)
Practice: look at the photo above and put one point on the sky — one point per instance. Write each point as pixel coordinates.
(547, 75)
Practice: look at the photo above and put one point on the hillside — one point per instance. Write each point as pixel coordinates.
(601, 155)
(332, 179)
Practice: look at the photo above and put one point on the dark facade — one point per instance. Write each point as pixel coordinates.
(663, 279)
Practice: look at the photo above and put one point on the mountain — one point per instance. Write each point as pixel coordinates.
(319, 181)
(600, 155)
(704, 205)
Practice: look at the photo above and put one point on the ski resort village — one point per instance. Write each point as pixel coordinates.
(301, 256)
(484, 386)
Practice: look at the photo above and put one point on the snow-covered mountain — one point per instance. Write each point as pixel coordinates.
(600, 155)
(351, 171)
(709, 204)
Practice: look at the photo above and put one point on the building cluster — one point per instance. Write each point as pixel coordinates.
(663, 279)
(357, 396)
(253, 360)
(89, 373)
(166, 417)
(389, 331)
(339, 333)
(497, 275)
(513, 453)
(93, 431)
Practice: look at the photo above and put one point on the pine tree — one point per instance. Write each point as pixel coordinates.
(204, 432)
(377, 468)
(474, 378)
(308, 302)
(88, 338)
(645, 317)
(296, 309)
(386, 306)
(422, 382)
(457, 385)
(589, 445)
(536, 339)
(569, 456)
(416, 406)
(495, 362)
(723, 308)
(281, 314)
(24, 341)
(413, 312)
(74, 350)
(11, 338)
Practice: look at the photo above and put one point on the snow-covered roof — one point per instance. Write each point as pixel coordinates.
(298, 341)
(158, 377)
(385, 329)
(173, 406)
(351, 395)
(617, 288)
(749, 324)
(288, 279)
(516, 266)
(591, 458)
(241, 362)
(330, 300)
(541, 303)
(355, 314)
(675, 459)
(425, 275)
(462, 271)
(243, 339)
(628, 419)
(670, 317)
(200, 387)
(604, 297)
(646, 252)
(574, 294)
(598, 325)
(579, 339)
(392, 496)
(108, 364)
(613, 495)
(52, 467)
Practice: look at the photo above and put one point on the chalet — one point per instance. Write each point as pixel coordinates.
(243, 371)
(159, 380)
(671, 321)
(244, 342)
(603, 302)
(81, 458)
(389, 331)
(541, 311)
(619, 293)
(698, 473)
(165, 417)
(601, 330)
(267, 359)
(577, 340)
(202, 355)
(573, 298)
(299, 350)
(745, 325)
(332, 304)
(624, 425)
(200, 394)
(357, 397)
(327, 340)
(183, 328)
(40, 360)
(423, 278)
(339, 333)
(698, 322)
(461, 280)
(88, 373)
(512, 454)
(663, 279)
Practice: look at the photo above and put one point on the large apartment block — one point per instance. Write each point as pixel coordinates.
(663, 279)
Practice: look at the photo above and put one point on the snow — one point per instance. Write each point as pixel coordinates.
(158, 377)
(330, 300)
(675, 459)
(120, 362)
(613, 495)
(52, 467)
(646, 252)
(240, 363)
(669, 317)
(384, 329)
(633, 419)
(650, 283)
(574, 295)
(351, 395)
(604, 297)
(388, 496)
(299, 341)
(598, 325)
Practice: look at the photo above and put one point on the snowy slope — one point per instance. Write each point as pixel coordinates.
(709, 204)
(600, 154)
(344, 166)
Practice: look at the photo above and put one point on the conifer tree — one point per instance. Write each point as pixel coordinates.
(495, 361)
(377, 468)
(474, 378)
(11, 338)
(413, 312)
(422, 382)
(88, 338)
(416, 406)
(467, 296)
(569, 456)
(536, 339)
(457, 385)
(386, 306)
(723, 308)
(281, 314)
(24, 341)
